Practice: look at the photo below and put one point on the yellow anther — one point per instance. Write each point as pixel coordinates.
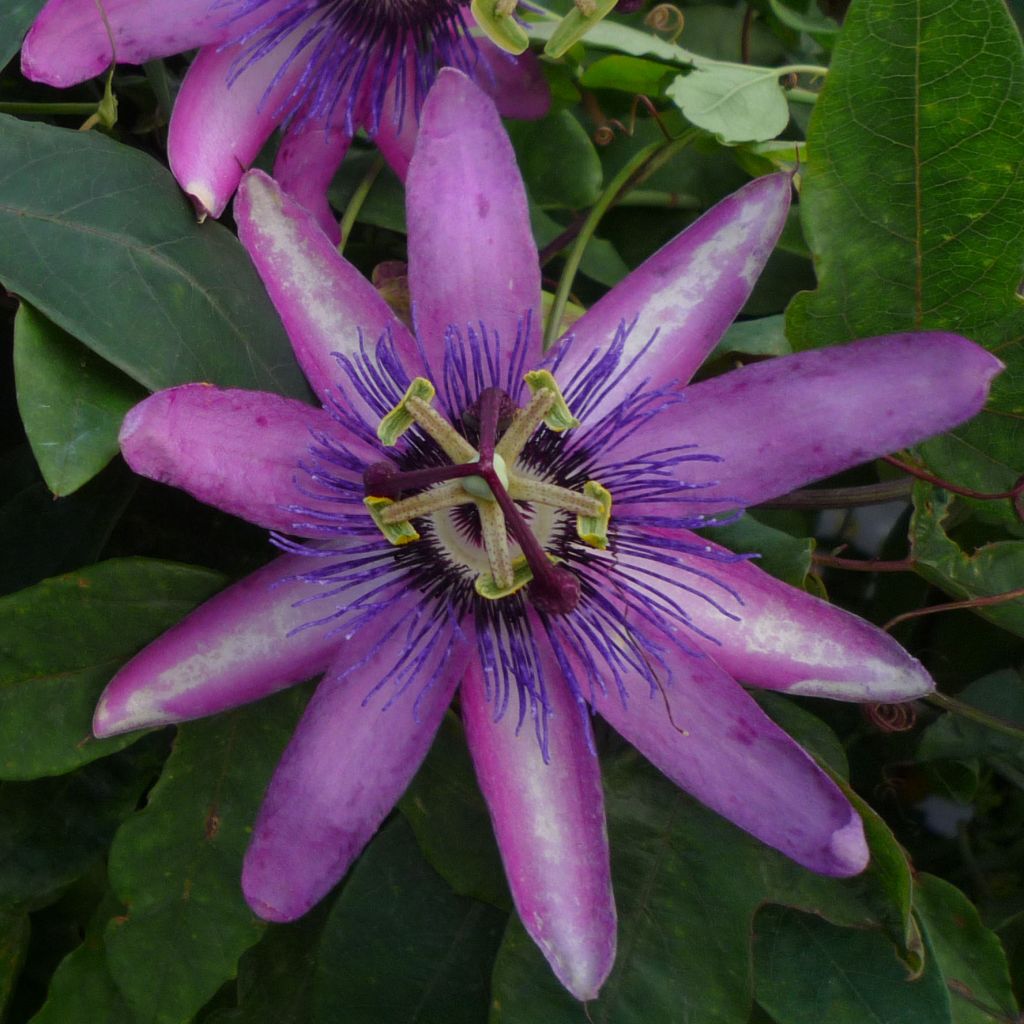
(559, 417)
(398, 533)
(593, 529)
(400, 419)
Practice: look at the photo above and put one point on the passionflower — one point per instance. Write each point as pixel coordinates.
(323, 68)
(468, 514)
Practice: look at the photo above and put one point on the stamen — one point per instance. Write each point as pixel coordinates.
(524, 489)
(448, 439)
(495, 537)
(559, 417)
(524, 424)
(435, 499)
(396, 533)
(592, 527)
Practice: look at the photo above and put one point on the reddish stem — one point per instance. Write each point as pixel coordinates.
(974, 602)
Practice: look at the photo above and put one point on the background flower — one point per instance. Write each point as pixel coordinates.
(661, 618)
(322, 69)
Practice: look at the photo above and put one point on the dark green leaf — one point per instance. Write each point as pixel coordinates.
(62, 640)
(15, 20)
(444, 800)
(558, 161)
(177, 863)
(809, 971)
(600, 262)
(100, 239)
(44, 536)
(914, 208)
(71, 402)
(992, 569)
(52, 830)
(687, 885)
(969, 956)
(401, 947)
(14, 933)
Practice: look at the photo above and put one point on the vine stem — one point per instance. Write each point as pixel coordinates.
(1015, 493)
(958, 707)
(862, 564)
(51, 109)
(843, 497)
(355, 204)
(974, 602)
(640, 166)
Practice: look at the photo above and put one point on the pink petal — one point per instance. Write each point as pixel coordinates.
(712, 740)
(687, 293)
(349, 761)
(310, 153)
(778, 637)
(326, 305)
(219, 126)
(515, 83)
(233, 649)
(549, 820)
(783, 423)
(395, 131)
(237, 450)
(68, 42)
(472, 259)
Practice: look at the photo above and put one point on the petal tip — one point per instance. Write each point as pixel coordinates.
(254, 889)
(848, 849)
(204, 200)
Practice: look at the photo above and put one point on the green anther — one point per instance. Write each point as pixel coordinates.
(399, 420)
(396, 533)
(593, 530)
(521, 575)
(583, 17)
(558, 417)
(500, 26)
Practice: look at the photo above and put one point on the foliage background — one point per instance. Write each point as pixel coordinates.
(119, 859)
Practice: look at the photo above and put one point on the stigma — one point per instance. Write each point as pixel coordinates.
(488, 477)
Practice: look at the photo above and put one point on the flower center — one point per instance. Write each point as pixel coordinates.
(487, 477)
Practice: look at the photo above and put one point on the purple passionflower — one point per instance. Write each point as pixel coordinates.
(323, 68)
(481, 517)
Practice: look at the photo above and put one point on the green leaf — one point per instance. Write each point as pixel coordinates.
(809, 971)
(811, 20)
(969, 956)
(14, 935)
(733, 102)
(786, 557)
(763, 337)
(914, 208)
(62, 640)
(71, 402)
(15, 20)
(81, 988)
(177, 864)
(956, 738)
(444, 800)
(53, 830)
(687, 886)
(98, 237)
(558, 161)
(401, 947)
(627, 74)
(991, 569)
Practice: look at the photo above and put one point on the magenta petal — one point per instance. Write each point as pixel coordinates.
(219, 125)
(472, 258)
(237, 450)
(515, 83)
(349, 761)
(304, 167)
(710, 738)
(780, 638)
(549, 821)
(326, 305)
(233, 649)
(688, 292)
(68, 42)
(783, 423)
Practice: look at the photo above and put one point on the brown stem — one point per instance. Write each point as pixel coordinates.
(843, 497)
(974, 602)
(1015, 493)
(748, 25)
(862, 564)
